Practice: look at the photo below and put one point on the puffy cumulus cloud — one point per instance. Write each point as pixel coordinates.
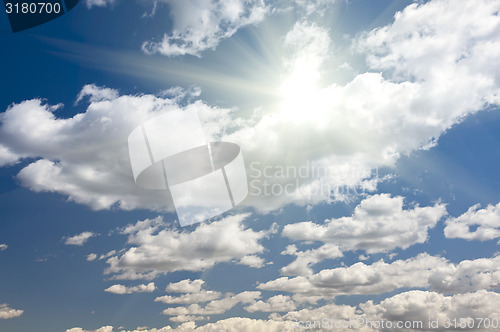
(305, 259)
(6, 312)
(414, 308)
(85, 157)
(201, 24)
(91, 257)
(379, 224)
(486, 221)
(7, 157)
(121, 289)
(79, 239)
(98, 3)
(185, 286)
(225, 325)
(308, 318)
(156, 249)
(422, 271)
(442, 42)
(252, 261)
(215, 307)
(467, 276)
(411, 307)
(190, 298)
(421, 306)
(278, 303)
(193, 290)
(3, 246)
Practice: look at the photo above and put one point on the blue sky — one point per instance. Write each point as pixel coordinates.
(396, 102)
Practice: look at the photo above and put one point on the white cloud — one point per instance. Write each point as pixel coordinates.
(422, 306)
(225, 325)
(85, 157)
(201, 24)
(440, 41)
(7, 157)
(185, 286)
(157, 251)
(348, 130)
(215, 307)
(6, 312)
(187, 318)
(252, 261)
(121, 289)
(422, 271)
(411, 306)
(193, 290)
(190, 298)
(487, 221)
(379, 224)
(79, 239)
(98, 3)
(102, 329)
(91, 257)
(369, 122)
(278, 303)
(3, 246)
(96, 94)
(305, 259)
(109, 254)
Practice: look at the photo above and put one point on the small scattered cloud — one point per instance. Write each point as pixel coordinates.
(193, 293)
(91, 257)
(7, 313)
(3, 247)
(96, 94)
(98, 3)
(485, 221)
(252, 261)
(121, 289)
(215, 307)
(278, 303)
(78, 240)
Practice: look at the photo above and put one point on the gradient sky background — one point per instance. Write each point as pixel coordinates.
(397, 99)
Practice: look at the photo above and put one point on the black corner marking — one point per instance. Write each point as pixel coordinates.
(26, 14)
